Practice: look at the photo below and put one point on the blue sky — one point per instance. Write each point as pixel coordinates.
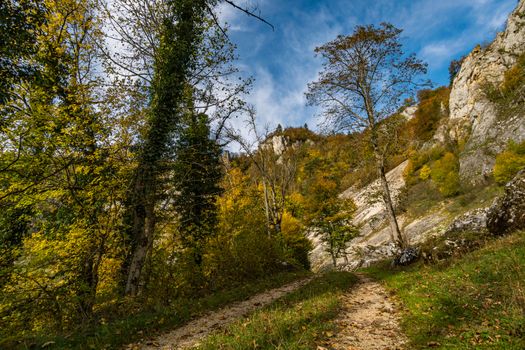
(283, 62)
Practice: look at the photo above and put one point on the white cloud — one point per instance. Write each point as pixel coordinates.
(487, 21)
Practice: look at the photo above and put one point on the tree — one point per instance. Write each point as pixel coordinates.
(276, 167)
(454, 68)
(173, 62)
(19, 23)
(365, 79)
(55, 162)
(169, 45)
(328, 214)
(197, 175)
(336, 228)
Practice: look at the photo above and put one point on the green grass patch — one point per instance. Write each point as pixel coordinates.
(473, 302)
(133, 327)
(296, 321)
(473, 198)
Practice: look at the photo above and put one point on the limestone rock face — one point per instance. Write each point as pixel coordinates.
(319, 258)
(473, 221)
(507, 214)
(370, 207)
(473, 118)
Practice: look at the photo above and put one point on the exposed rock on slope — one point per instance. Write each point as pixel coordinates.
(374, 241)
(508, 212)
(370, 207)
(473, 118)
(473, 221)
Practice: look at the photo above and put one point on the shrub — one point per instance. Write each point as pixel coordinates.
(445, 173)
(425, 172)
(245, 256)
(509, 96)
(418, 199)
(296, 243)
(514, 78)
(441, 166)
(509, 162)
(432, 107)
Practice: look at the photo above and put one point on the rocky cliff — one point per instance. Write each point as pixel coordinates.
(473, 118)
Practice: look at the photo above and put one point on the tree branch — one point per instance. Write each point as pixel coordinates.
(249, 13)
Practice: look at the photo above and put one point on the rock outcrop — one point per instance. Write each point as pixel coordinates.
(507, 214)
(472, 221)
(473, 118)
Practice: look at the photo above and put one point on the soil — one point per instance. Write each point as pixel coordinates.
(188, 336)
(368, 320)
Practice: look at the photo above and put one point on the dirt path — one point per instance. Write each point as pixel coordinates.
(189, 335)
(368, 320)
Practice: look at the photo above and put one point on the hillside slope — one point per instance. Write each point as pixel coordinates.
(477, 127)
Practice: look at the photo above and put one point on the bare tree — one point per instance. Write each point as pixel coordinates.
(364, 81)
(276, 167)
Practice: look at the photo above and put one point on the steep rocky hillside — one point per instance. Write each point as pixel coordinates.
(480, 131)
(473, 118)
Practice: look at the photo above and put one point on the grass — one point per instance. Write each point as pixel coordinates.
(132, 328)
(476, 301)
(473, 198)
(296, 321)
(423, 198)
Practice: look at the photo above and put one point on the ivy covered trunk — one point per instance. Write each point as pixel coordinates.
(179, 38)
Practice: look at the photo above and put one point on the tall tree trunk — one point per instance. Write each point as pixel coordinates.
(397, 236)
(175, 59)
(88, 292)
(145, 227)
(395, 231)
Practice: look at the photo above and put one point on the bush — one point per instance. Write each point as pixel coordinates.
(418, 199)
(509, 96)
(432, 107)
(437, 164)
(445, 173)
(514, 79)
(246, 256)
(417, 160)
(509, 162)
(425, 172)
(297, 245)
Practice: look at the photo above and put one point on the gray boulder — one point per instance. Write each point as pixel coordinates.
(472, 221)
(507, 214)
(406, 257)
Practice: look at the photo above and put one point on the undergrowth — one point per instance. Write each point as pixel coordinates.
(133, 327)
(476, 301)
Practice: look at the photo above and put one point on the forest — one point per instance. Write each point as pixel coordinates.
(130, 200)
